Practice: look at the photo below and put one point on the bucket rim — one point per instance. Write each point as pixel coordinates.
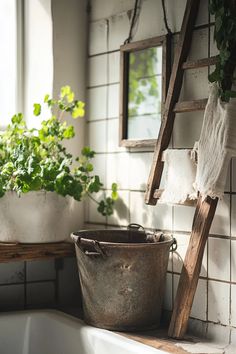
(121, 244)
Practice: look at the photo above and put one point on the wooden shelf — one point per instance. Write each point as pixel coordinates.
(28, 252)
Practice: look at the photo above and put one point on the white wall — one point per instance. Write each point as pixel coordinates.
(215, 300)
(69, 63)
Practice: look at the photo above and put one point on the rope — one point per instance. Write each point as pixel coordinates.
(132, 22)
(165, 18)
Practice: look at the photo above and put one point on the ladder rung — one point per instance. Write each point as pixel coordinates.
(200, 63)
(190, 106)
(189, 202)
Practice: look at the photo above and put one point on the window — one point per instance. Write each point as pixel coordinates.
(10, 71)
(26, 61)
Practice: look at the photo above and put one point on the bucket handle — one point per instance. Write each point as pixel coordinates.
(134, 226)
(98, 251)
(174, 245)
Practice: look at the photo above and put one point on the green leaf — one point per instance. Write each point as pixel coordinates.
(37, 109)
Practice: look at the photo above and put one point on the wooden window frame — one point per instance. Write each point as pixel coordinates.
(125, 50)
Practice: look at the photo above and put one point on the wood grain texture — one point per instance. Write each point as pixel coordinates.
(199, 63)
(27, 252)
(187, 286)
(190, 106)
(174, 89)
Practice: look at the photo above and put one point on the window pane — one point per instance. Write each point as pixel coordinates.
(8, 60)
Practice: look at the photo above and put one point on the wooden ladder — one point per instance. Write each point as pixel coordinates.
(205, 210)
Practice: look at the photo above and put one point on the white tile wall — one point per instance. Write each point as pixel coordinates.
(97, 77)
(101, 9)
(150, 25)
(97, 136)
(179, 255)
(199, 308)
(11, 272)
(118, 170)
(118, 30)
(218, 302)
(233, 216)
(139, 168)
(221, 222)
(39, 294)
(114, 67)
(98, 37)
(183, 218)
(113, 101)
(121, 210)
(11, 296)
(97, 103)
(159, 216)
(219, 259)
(99, 164)
(233, 305)
(38, 270)
(187, 129)
(130, 167)
(233, 260)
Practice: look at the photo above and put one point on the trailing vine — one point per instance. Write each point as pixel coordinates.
(225, 37)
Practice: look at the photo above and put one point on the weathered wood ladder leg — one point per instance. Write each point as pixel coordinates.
(188, 281)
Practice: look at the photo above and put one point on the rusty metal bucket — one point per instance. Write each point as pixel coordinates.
(122, 275)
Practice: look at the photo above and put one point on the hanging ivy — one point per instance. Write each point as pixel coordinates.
(225, 37)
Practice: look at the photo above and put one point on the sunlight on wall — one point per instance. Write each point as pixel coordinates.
(38, 55)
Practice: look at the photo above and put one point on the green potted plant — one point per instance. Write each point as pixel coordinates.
(40, 181)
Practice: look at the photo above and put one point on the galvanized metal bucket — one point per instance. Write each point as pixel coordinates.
(122, 275)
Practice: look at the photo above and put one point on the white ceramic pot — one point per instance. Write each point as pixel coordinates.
(37, 217)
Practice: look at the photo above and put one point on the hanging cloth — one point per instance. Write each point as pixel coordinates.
(216, 146)
(180, 173)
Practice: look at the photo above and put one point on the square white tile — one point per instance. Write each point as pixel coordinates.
(11, 297)
(219, 258)
(156, 217)
(121, 210)
(187, 129)
(97, 103)
(233, 216)
(101, 9)
(113, 136)
(12, 272)
(233, 175)
(118, 30)
(139, 169)
(99, 165)
(218, 302)
(179, 254)
(40, 294)
(118, 170)
(98, 32)
(97, 136)
(195, 86)
(97, 67)
(233, 305)
(233, 260)
(199, 44)
(151, 21)
(183, 218)
(40, 270)
(199, 308)
(113, 101)
(92, 214)
(114, 67)
(221, 221)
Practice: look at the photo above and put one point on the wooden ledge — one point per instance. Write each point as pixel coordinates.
(29, 252)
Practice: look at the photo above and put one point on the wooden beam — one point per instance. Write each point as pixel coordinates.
(188, 281)
(28, 252)
(173, 93)
(200, 63)
(190, 106)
